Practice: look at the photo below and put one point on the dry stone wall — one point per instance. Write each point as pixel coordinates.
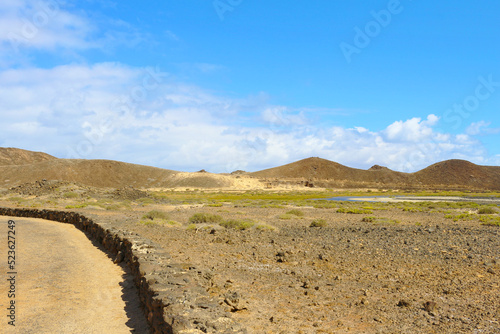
(173, 300)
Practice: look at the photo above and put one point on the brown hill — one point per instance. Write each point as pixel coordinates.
(460, 172)
(331, 174)
(447, 174)
(96, 173)
(15, 156)
(19, 167)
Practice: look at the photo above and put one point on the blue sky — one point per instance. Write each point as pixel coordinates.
(238, 84)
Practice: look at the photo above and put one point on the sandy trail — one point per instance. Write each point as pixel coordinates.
(65, 284)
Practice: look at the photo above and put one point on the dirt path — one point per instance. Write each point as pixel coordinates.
(65, 284)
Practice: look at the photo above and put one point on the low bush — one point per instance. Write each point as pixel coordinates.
(488, 210)
(215, 205)
(490, 220)
(354, 211)
(77, 206)
(295, 212)
(265, 227)
(318, 223)
(238, 224)
(155, 214)
(413, 209)
(462, 216)
(145, 200)
(159, 223)
(205, 218)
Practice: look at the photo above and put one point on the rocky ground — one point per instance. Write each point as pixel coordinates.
(396, 269)
(423, 274)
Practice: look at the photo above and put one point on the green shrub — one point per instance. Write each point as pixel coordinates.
(238, 224)
(265, 227)
(488, 210)
(155, 214)
(462, 216)
(354, 211)
(70, 195)
(285, 216)
(158, 223)
(145, 200)
(325, 205)
(412, 210)
(112, 207)
(205, 218)
(369, 219)
(77, 206)
(148, 222)
(275, 206)
(318, 223)
(295, 212)
(490, 220)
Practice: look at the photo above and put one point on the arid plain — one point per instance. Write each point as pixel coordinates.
(281, 258)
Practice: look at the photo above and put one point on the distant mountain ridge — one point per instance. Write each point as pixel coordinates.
(448, 174)
(20, 166)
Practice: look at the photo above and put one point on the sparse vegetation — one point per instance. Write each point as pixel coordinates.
(295, 212)
(155, 214)
(354, 211)
(16, 199)
(77, 206)
(462, 216)
(215, 205)
(275, 206)
(205, 218)
(369, 219)
(386, 221)
(318, 223)
(490, 220)
(265, 227)
(159, 223)
(238, 224)
(413, 209)
(156, 217)
(488, 210)
(145, 201)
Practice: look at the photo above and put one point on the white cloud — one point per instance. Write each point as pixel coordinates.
(481, 128)
(42, 25)
(411, 130)
(279, 116)
(51, 26)
(141, 115)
